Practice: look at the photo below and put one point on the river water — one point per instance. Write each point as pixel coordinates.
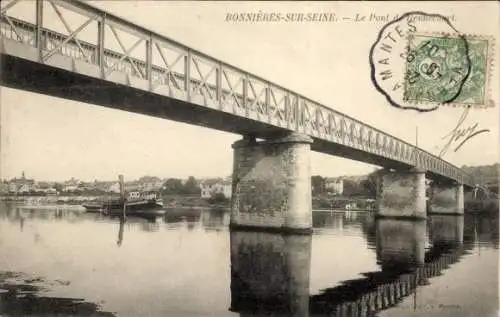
(56, 262)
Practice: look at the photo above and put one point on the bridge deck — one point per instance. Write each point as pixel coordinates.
(175, 82)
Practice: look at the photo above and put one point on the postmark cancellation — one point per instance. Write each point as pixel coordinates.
(421, 61)
(448, 69)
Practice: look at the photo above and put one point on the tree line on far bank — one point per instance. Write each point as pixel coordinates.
(366, 188)
(175, 186)
(191, 187)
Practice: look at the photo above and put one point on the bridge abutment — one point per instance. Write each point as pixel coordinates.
(401, 194)
(272, 184)
(447, 199)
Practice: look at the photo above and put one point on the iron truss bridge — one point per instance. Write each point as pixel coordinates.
(94, 43)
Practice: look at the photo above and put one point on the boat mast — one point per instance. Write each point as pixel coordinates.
(122, 194)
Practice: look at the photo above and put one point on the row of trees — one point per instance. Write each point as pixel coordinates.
(175, 186)
(484, 174)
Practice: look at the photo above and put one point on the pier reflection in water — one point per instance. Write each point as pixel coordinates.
(405, 264)
(400, 243)
(270, 274)
(69, 263)
(446, 231)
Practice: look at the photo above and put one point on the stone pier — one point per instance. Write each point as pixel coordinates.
(447, 199)
(401, 194)
(272, 184)
(270, 273)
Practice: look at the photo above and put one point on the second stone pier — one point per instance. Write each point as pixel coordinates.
(401, 194)
(447, 199)
(272, 184)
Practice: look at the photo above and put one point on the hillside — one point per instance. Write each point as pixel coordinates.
(485, 174)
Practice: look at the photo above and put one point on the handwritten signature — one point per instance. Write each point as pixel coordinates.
(461, 134)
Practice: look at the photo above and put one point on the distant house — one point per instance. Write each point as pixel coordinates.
(113, 188)
(71, 185)
(13, 187)
(50, 191)
(208, 187)
(151, 186)
(25, 188)
(150, 183)
(43, 185)
(146, 183)
(227, 188)
(21, 185)
(86, 186)
(4, 188)
(70, 188)
(44, 189)
(334, 185)
(211, 187)
(132, 186)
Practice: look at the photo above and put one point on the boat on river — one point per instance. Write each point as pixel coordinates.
(135, 204)
(94, 206)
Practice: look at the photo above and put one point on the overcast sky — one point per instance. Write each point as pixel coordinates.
(56, 139)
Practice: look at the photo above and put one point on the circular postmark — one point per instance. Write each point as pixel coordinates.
(420, 61)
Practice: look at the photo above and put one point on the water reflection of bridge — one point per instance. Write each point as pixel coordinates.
(270, 272)
(403, 270)
(379, 290)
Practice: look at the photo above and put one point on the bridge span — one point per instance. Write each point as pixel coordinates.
(157, 76)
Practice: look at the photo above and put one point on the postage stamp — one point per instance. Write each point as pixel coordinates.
(420, 61)
(448, 69)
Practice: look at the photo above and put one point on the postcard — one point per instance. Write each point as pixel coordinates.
(245, 158)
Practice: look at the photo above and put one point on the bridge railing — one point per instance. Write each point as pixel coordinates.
(206, 80)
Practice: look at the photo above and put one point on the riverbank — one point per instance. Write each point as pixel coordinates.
(187, 201)
(54, 200)
(52, 207)
(191, 201)
(342, 202)
(169, 201)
